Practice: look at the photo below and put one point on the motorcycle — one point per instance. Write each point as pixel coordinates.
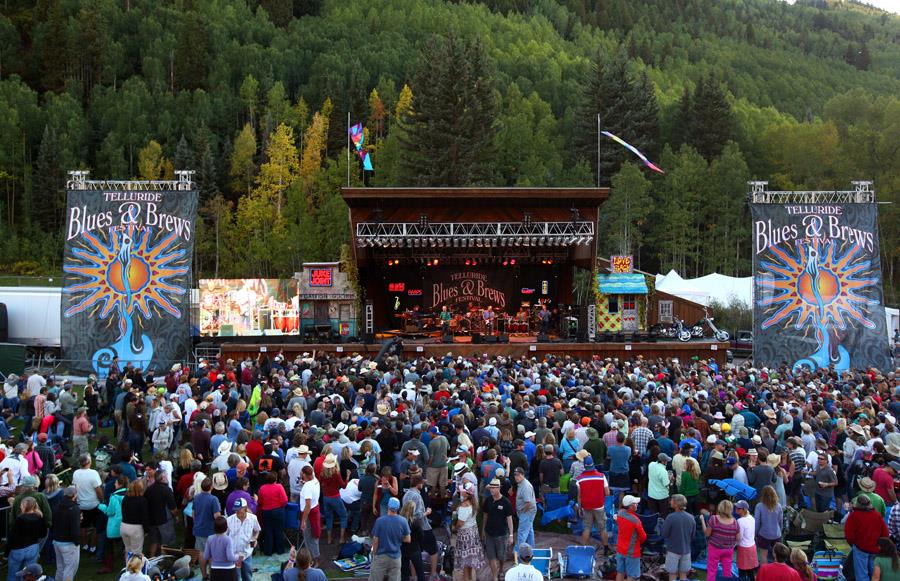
(719, 334)
(680, 331)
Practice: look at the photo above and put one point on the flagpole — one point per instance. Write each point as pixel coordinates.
(598, 150)
(348, 149)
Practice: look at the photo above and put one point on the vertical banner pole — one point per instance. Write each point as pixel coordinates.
(348, 149)
(598, 150)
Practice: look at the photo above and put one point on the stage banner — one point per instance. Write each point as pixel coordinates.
(817, 284)
(248, 306)
(127, 263)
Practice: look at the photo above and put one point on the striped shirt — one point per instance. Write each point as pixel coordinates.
(610, 438)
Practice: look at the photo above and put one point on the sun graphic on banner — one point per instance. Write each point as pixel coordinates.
(819, 284)
(128, 274)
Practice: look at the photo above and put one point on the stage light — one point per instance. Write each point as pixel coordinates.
(474, 263)
(468, 262)
(435, 261)
(513, 261)
(505, 262)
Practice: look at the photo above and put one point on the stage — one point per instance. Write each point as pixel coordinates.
(429, 348)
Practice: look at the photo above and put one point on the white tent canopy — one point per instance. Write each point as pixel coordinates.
(706, 289)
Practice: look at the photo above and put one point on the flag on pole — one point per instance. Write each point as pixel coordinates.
(633, 150)
(358, 136)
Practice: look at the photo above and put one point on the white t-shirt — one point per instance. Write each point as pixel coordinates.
(17, 465)
(86, 480)
(309, 491)
(35, 383)
(351, 493)
(524, 572)
(747, 524)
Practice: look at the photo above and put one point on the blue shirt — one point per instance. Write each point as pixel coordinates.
(205, 508)
(695, 452)
(666, 445)
(312, 574)
(618, 459)
(530, 450)
(390, 530)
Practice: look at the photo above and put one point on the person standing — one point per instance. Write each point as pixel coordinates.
(411, 552)
(66, 534)
(863, 528)
(331, 483)
(592, 492)
(272, 500)
(135, 515)
(658, 481)
(87, 482)
(414, 495)
(826, 481)
(24, 541)
(497, 527)
(768, 517)
(550, 470)
(677, 531)
(206, 511)
(388, 534)
(161, 512)
(310, 519)
(628, 544)
(524, 571)
(243, 528)
(526, 508)
(747, 555)
(436, 473)
(469, 552)
(218, 554)
(723, 533)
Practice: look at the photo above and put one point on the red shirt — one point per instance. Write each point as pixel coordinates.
(184, 484)
(317, 465)
(592, 490)
(331, 487)
(271, 496)
(626, 532)
(254, 451)
(863, 529)
(777, 572)
(884, 482)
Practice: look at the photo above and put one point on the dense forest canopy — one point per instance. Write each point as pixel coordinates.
(254, 96)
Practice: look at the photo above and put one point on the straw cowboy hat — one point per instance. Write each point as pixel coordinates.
(867, 484)
(770, 414)
(330, 461)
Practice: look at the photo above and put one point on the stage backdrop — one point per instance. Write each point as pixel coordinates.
(818, 295)
(248, 306)
(127, 264)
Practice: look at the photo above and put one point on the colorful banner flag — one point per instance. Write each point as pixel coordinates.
(358, 137)
(633, 150)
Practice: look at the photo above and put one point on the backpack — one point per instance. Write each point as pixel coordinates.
(101, 460)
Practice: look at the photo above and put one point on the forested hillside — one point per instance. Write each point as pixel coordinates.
(255, 95)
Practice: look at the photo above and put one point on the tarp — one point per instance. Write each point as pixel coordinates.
(622, 284)
(706, 289)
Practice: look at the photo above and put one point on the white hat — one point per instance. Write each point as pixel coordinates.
(629, 500)
(224, 447)
(529, 435)
(492, 421)
(341, 428)
(711, 439)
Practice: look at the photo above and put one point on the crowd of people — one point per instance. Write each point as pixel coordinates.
(227, 456)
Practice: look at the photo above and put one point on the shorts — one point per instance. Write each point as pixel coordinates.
(495, 547)
(598, 516)
(628, 566)
(436, 477)
(429, 542)
(89, 518)
(764, 544)
(163, 534)
(676, 563)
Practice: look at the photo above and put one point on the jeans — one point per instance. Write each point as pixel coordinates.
(525, 532)
(11, 403)
(385, 568)
(334, 506)
(821, 503)
(272, 530)
(716, 556)
(416, 560)
(247, 570)
(353, 515)
(68, 556)
(863, 564)
(21, 558)
(136, 441)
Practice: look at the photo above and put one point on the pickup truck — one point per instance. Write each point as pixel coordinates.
(742, 343)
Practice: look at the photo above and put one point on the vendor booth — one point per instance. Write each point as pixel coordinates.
(328, 302)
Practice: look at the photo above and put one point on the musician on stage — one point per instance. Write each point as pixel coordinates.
(488, 315)
(544, 316)
(446, 316)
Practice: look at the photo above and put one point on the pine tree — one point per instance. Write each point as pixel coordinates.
(712, 123)
(184, 157)
(49, 180)
(450, 139)
(626, 211)
(280, 11)
(191, 54)
(681, 120)
(205, 174)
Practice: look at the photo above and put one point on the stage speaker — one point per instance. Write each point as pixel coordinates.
(490, 338)
(543, 338)
(447, 339)
(504, 338)
(476, 338)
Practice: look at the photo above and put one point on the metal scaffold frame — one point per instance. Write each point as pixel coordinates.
(473, 234)
(78, 181)
(861, 194)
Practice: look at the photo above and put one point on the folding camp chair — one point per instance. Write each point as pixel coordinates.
(654, 542)
(541, 561)
(811, 522)
(580, 561)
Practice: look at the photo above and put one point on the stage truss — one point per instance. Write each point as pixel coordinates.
(78, 181)
(473, 234)
(861, 194)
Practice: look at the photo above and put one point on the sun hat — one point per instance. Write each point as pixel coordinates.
(330, 461)
(773, 460)
(459, 467)
(867, 484)
(303, 450)
(219, 481)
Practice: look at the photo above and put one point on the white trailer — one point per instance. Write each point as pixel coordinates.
(33, 318)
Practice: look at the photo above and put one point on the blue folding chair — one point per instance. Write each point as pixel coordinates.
(580, 561)
(541, 561)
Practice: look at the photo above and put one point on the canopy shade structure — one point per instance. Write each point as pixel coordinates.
(622, 284)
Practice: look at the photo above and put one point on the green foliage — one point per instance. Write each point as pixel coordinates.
(733, 316)
(624, 215)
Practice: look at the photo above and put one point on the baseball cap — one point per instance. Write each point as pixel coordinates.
(394, 504)
(742, 504)
(663, 457)
(525, 551)
(239, 503)
(588, 462)
(520, 470)
(630, 500)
